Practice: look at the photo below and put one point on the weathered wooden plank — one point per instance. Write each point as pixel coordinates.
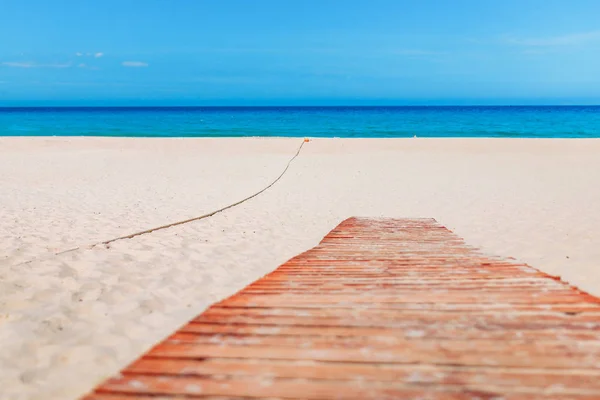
(382, 309)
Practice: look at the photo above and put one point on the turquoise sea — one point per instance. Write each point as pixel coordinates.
(420, 121)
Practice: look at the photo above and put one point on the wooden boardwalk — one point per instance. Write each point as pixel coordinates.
(382, 309)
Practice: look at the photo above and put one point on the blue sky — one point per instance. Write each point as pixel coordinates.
(122, 52)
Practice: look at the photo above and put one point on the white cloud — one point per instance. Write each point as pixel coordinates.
(134, 64)
(572, 39)
(34, 65)
(95, 55)
(18, 64)
(82, 65)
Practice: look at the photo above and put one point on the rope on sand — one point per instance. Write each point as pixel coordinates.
(210, 214)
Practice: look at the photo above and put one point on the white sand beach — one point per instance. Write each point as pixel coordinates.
(68, 321)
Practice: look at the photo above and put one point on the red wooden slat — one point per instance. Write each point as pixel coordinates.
(382, 308)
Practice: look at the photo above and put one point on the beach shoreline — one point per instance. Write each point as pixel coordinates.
(80, 316)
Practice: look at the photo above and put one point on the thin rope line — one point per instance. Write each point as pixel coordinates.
(237, 203)
(211, 213)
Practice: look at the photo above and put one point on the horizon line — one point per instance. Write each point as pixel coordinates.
(297, 106)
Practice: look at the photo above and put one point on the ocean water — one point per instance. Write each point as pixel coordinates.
(378, 122)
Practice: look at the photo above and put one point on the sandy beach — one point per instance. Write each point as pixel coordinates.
(70, 320)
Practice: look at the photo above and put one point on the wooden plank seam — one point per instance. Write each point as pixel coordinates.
(382, 309)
